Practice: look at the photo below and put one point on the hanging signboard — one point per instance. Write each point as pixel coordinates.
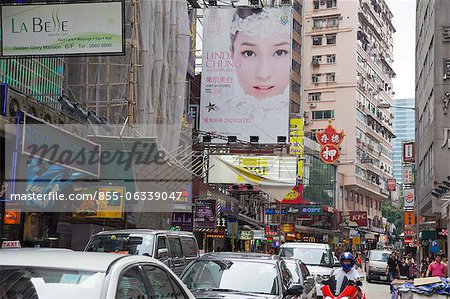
(330, 140)
(408, 152)
(408, 198)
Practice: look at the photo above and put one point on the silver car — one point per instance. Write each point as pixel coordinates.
(64, 274)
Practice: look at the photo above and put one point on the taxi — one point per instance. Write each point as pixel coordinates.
(45, 274)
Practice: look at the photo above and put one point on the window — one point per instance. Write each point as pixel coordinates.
(175, 248)
(317, 23)
(131, 285)
(296, 67)
(317, 40)
(325, 114)
(333, 22)
(331, 39)
(296, 47)
(297, 27)
(164, 287)
(162, 242)
(298, 7)
(331, 3)
(295, 87)
(316, 78)
(189, 246)
(316, 4)
(285, 275)
(331, 77)
(331, 58)
(317, 59)
(315, 96)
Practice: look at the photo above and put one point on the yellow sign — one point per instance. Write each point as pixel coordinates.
(356, 240)
(296, 142)
(112, 208)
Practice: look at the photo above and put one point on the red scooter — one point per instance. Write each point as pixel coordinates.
(352, 289)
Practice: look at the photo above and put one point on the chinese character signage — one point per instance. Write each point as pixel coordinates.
(409, 218)
(409, 198)
(408, 152)
(330, 140)
(408, 174)
(391, 184)
(295, 196)
(246, 72)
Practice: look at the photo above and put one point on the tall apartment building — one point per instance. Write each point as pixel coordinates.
(404, 130)
(432, 98)
(347, 74)
(297, 33)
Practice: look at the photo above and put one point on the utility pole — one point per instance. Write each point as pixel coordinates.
(131, 85)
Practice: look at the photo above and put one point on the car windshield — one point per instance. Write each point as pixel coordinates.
(122, 243)
(46, 283)
(226, 275)
(292, 267)
(310, 256)
(379, 256)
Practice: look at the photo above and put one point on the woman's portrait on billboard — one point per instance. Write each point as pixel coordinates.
(260, 44)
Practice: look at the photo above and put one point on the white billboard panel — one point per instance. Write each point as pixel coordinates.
(62, 29)
(275, 175)
(246, 72)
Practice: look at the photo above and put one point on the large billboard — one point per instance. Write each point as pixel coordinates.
(63, 29)
(246, 72)
(275, 175)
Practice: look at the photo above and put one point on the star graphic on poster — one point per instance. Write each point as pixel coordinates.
(211, 107)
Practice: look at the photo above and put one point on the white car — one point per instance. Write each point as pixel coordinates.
(89, 275)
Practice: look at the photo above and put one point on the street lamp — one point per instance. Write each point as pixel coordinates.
(387, 106)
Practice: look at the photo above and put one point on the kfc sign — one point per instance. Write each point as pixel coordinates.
(354, 218)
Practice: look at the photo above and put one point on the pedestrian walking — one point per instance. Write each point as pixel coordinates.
(437, 268)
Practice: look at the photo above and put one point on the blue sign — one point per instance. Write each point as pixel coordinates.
(275, 212)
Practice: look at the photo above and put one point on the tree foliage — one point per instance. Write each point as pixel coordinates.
(393, 215)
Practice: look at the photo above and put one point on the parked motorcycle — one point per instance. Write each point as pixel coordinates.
(349, 290)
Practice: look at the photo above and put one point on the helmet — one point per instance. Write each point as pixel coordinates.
(347, 256)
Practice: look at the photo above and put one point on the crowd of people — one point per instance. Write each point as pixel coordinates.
(406, 268)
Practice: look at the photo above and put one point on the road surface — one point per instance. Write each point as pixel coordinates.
(376, 290)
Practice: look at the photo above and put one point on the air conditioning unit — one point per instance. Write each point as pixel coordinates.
(49, 115)
(12, 102)
(359, 104)
(358, 140)
(312, 105)
(306, 122)
(316, 83)
(322, 2)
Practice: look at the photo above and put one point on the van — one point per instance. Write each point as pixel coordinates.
(376, 265)
(176, 249)
(318, 258)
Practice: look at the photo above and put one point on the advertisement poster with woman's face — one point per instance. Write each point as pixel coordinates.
(246, 72)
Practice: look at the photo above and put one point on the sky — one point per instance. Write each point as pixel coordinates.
(404, 21)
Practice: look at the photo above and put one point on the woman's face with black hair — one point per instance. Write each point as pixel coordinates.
(262, 63)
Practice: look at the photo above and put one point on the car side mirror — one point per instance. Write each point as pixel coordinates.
(295, 289)
(310, 279)
(163, 253)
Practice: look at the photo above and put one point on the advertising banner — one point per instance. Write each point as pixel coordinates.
(12, 217)
(63, 29)
(391, 184)
(246, 72)
(110, 202)
(408, 174)
(354, 218)
(182, 220)
(409, 198)
(205, 213)
(295, 196)
(275, 175)
(408, 152)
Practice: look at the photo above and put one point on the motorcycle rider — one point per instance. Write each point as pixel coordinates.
(347, 270)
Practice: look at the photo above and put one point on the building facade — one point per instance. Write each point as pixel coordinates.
(404, 130)
(349, 52)
(432, 98)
